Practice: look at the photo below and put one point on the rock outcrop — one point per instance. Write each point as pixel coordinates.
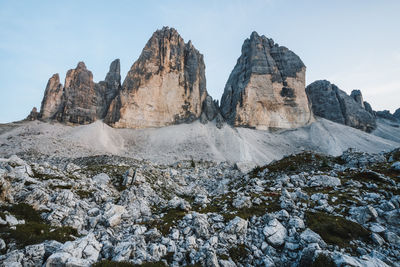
(266, 88)
(81, 100)
(329, 102)
(385, 114)
(396, 114)
(51, 102)
(357, 96)
(165, 86)
(368, 107)
(33, 115)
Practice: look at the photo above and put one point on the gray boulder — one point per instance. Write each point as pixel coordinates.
(329, 102)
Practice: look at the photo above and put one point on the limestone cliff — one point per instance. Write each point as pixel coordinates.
(266, 88)
(329, 102)
(81, 100)
(165, 86)
(51, 102)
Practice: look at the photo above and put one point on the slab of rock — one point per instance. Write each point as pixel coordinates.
(329, 102)
(81, 252)
(266, 88)
(275, 232)
(165, 86)
(324, 181)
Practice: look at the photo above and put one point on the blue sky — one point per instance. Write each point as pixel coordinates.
(354, 44)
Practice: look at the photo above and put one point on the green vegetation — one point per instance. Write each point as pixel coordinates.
(169, 219)
(114, 171)
(84, 193)
(108, 263)
(336, 230)
(323, 260)
(60, 187)
(305, 161)
(35, 230)
(239, 253)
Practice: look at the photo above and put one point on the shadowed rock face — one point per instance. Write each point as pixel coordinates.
(329, 102)
(397, 114)
(266, 87)
(165, 86)
(357, 96)
(385, 114)
(81, 100)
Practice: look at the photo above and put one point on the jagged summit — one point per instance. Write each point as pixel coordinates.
(80, 100)
(329, 102)
(165, 86)
(266, 88)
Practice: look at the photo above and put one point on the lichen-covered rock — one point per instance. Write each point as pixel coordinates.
(266, 87)
(331, 103)
(165, 86)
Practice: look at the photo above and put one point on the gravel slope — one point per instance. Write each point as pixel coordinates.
(197, 141)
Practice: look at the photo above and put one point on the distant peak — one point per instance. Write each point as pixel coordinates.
(81, 65)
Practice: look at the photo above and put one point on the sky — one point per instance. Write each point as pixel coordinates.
(355, 44)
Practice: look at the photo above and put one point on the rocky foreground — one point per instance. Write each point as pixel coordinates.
(304, 210)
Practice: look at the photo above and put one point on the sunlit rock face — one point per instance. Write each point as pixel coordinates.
(51, 102)
(266, 88)
(165, 86)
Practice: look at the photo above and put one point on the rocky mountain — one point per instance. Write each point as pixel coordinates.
(165, 86)
(80, 100)
(266, 88)
(329, 102)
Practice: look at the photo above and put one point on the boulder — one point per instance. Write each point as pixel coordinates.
(266, 87)
(275, 233)
(165, 86)
(329, 102)
(324, 181)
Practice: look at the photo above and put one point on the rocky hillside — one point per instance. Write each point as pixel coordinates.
(305, 210)
(266, 88)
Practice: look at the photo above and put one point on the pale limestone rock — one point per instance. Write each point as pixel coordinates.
(266, 89)
(51, 102)
(165, 86)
